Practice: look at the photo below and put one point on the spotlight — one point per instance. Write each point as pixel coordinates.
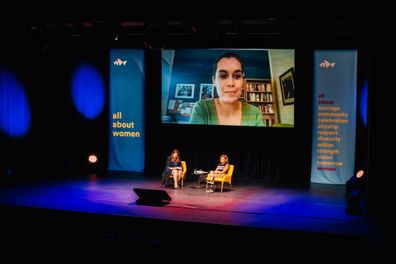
(93, 164)
(92, 158)
(354, 192)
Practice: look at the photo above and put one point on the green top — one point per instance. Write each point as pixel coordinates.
(204, 113)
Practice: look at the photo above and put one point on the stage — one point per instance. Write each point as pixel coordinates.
(95, 208)
(250, 203)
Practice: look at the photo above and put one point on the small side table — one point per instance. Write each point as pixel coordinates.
(199, 173)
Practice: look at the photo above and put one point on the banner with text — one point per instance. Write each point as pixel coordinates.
(126, 148)
(334, 116)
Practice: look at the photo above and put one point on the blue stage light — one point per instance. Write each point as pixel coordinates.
(364, 103)
(15, 114)
(88, 91)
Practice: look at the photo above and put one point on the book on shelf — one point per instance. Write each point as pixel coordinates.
(259, 92)
(268, 87)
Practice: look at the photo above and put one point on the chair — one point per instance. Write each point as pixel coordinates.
(222, 178)
(184, 171)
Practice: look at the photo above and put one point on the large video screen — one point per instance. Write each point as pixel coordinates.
(234, 87)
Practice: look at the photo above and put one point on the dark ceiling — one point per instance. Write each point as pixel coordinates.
(109, 21)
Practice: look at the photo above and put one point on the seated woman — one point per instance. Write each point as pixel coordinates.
(174, 168)
(220, 170)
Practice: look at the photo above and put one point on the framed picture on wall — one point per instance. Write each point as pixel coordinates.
(184, 90)
(286, 81)
(206, 91)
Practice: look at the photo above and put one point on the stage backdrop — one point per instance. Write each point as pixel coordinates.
(126, 148)
(334, 120)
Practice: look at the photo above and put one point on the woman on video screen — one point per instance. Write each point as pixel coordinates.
(229, 80)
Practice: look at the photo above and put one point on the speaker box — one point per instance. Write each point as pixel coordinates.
(152, 197)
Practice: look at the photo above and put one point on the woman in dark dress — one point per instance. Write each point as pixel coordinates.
(173, 168)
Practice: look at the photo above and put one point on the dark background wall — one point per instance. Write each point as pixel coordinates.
(59, 137)
(366, 27)
(27, 29)
(44, 54)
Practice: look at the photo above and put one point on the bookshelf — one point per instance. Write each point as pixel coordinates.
(260, 92)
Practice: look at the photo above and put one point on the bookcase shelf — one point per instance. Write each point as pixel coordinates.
(260, 92)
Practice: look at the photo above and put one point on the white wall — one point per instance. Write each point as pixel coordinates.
(281, 61)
